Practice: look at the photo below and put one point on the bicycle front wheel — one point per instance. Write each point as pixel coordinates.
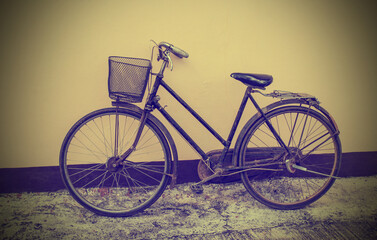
(87, 162)
(284, 181)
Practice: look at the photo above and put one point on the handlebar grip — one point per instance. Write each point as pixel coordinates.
(179, 52)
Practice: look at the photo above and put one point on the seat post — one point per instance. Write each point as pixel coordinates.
(234, 127)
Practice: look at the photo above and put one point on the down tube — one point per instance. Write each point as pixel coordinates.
(181, 131)
(193, 113)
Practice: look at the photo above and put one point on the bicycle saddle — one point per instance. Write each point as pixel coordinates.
(253, 80)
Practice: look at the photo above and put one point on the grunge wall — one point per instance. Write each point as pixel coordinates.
(53, 70)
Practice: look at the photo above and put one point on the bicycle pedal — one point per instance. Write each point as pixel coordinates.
(198, 189)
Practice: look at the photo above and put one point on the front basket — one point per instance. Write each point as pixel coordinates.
(128, 78)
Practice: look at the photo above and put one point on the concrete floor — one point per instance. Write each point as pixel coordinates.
(223, 211)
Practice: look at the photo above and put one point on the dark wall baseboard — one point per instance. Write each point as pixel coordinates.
(47, 179)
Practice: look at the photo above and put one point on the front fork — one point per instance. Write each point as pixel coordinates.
(149, 107)
(127, 153)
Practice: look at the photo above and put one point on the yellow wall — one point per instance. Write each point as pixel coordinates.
(54, 63)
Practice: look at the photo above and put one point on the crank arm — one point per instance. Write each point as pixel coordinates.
(307, 170)
(215, 175)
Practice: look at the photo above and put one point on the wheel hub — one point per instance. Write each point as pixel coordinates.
(112, 165)
(289, 163)
(293, 160)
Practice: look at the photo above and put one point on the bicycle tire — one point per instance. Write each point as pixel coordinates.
(87, 154)
(315, 144)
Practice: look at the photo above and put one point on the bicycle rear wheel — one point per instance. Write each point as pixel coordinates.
(87, 162)
(290, 182)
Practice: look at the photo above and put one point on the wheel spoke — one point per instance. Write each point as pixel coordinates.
(314, 145)
(88, 156)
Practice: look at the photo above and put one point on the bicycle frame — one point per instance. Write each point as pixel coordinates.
(225, 143)
(152, 103)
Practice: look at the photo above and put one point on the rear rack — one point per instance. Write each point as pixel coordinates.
(286, 95)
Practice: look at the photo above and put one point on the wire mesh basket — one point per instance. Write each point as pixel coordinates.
(128, 78)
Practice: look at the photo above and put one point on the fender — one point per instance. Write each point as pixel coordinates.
(286, 102)
(172, 145)
(301, 101)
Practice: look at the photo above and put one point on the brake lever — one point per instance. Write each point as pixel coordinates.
(170, 62)
(166, 53)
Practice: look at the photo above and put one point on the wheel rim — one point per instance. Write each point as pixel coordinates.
(308, 136)
(88, 159)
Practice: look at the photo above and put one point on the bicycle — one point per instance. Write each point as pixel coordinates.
(118, 161)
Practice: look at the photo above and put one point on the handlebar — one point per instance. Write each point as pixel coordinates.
(173, 49)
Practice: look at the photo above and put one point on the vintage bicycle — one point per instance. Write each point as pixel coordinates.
(118, 161)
